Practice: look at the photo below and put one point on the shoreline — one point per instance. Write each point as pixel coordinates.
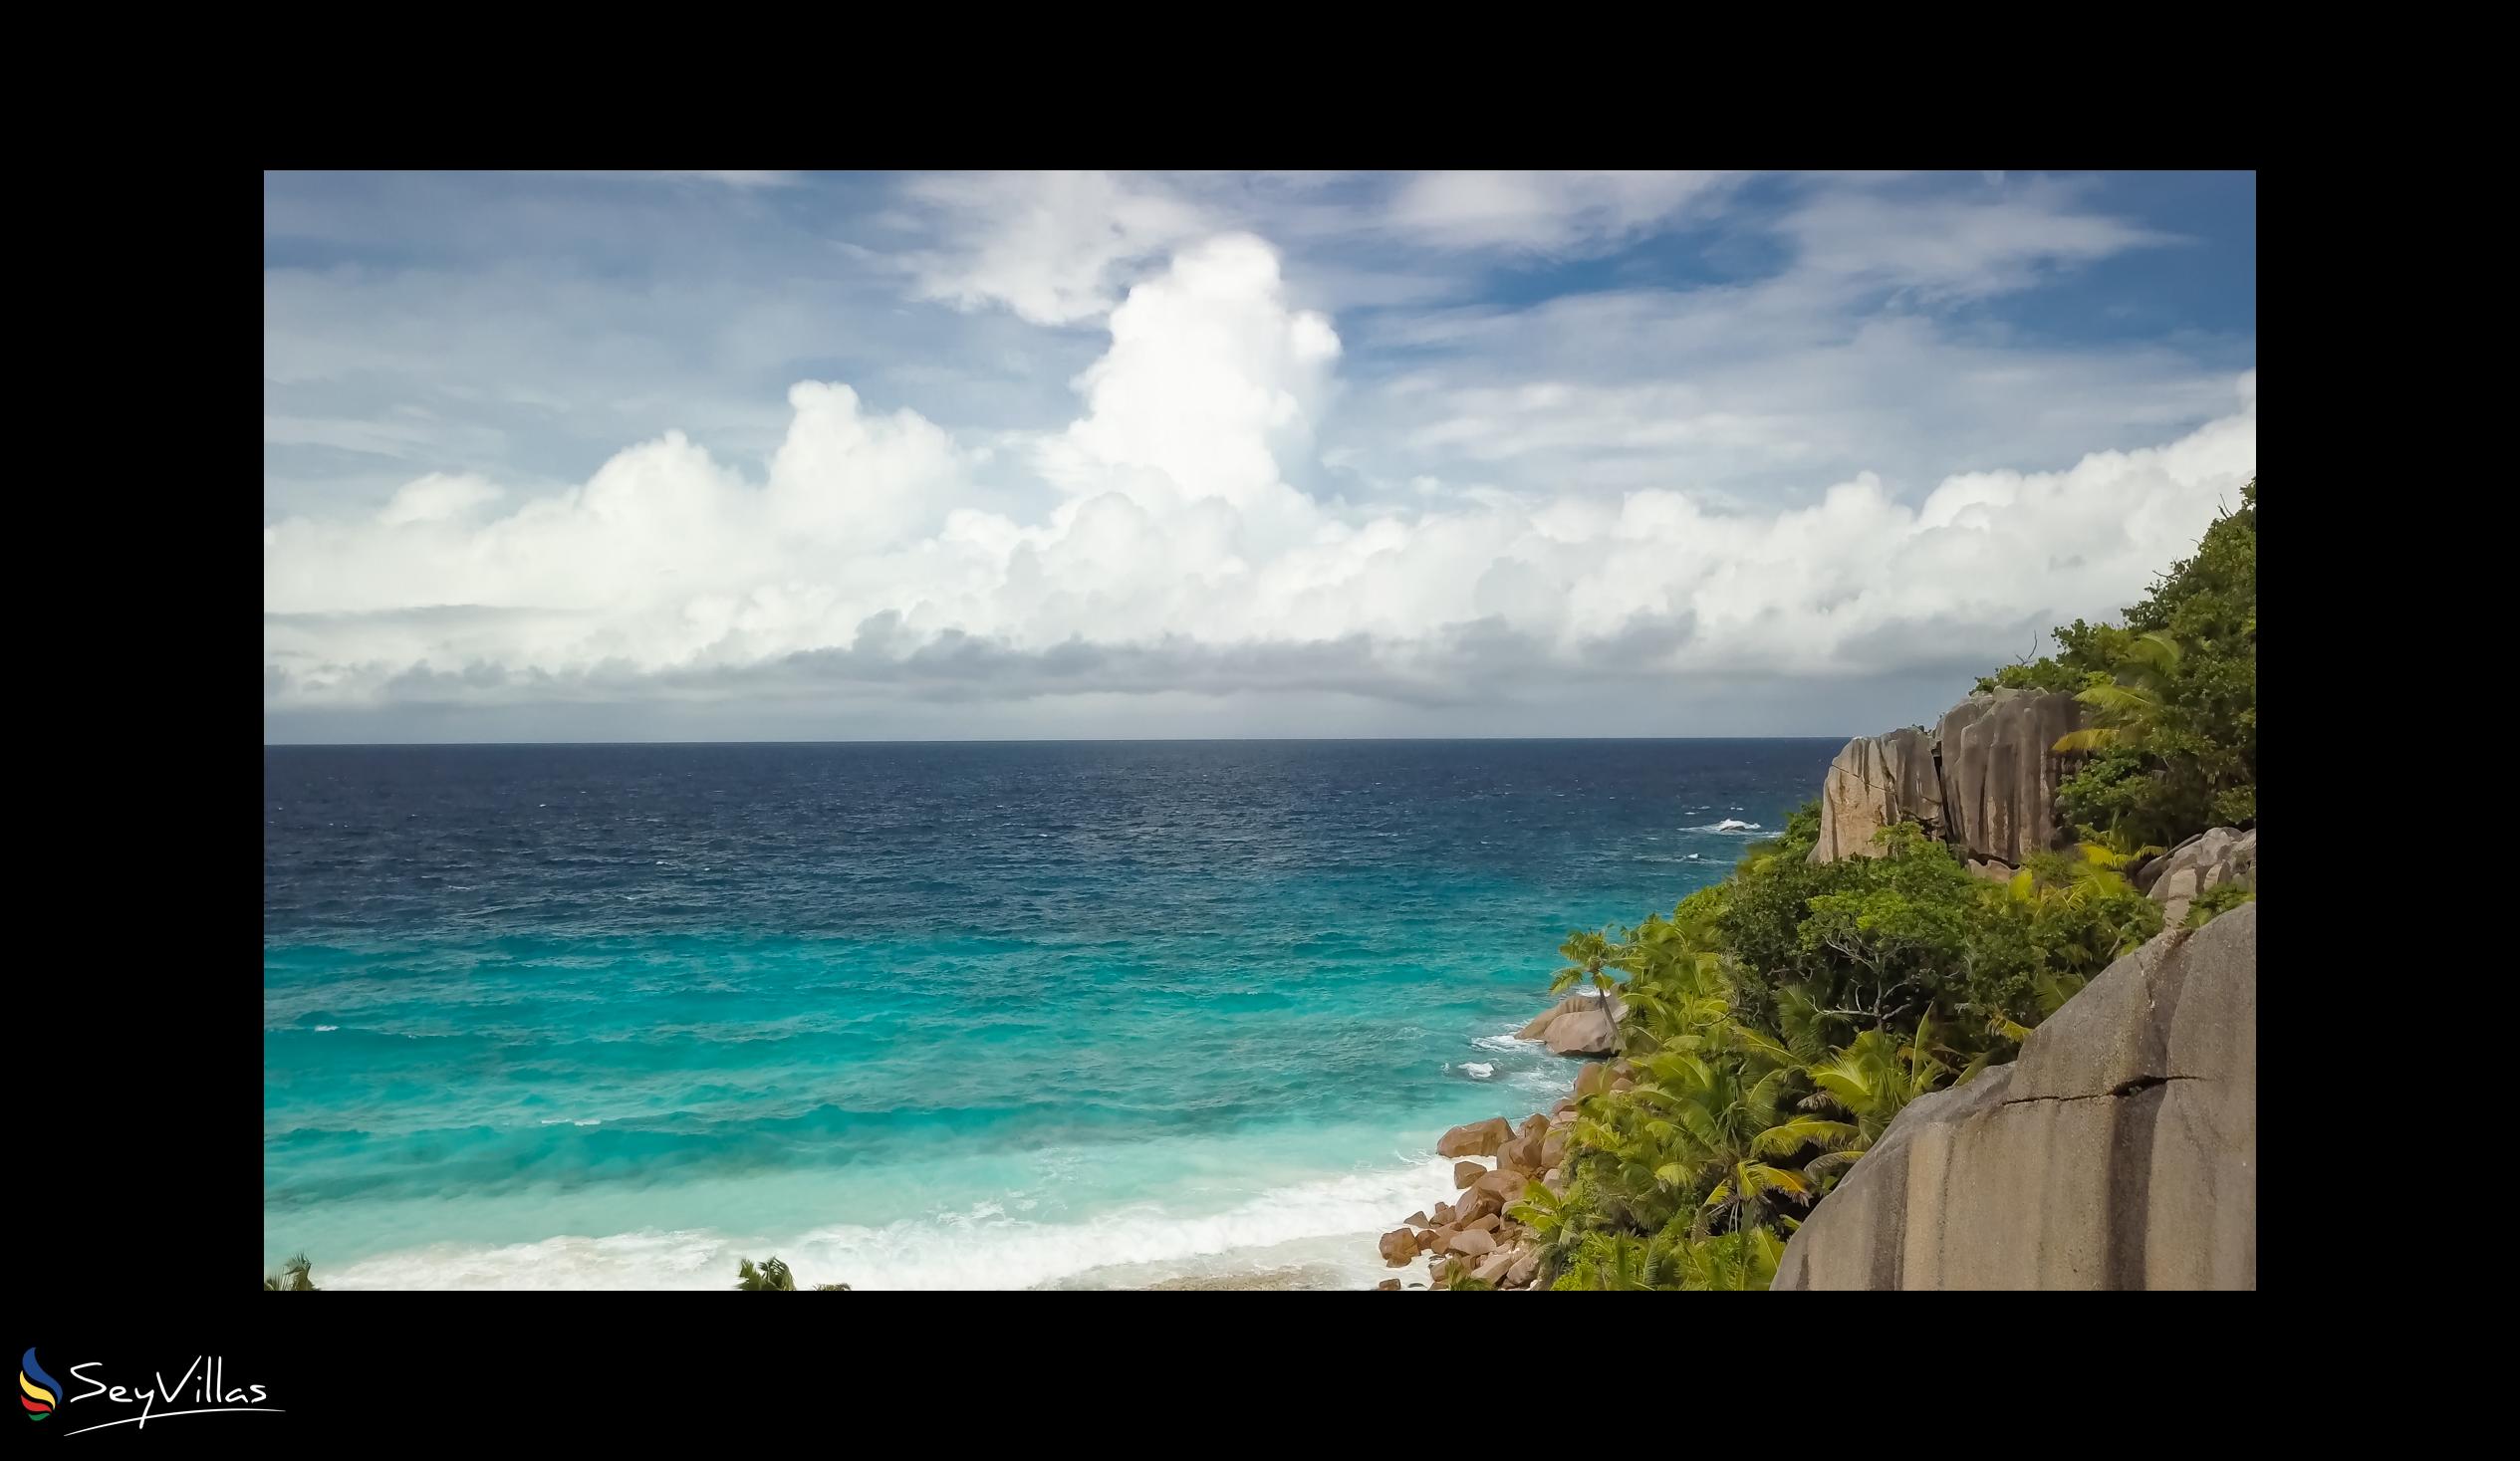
(1472, 1234)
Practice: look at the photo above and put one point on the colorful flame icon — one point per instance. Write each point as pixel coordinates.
(42, 1390)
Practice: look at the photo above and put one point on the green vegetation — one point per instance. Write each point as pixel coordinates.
(2222, 897)
(2174, 694)
(774, 1275)
(1782, 1019)
(296, 1277)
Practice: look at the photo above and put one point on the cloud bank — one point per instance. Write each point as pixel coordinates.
(1199, 454)
(1167, 553)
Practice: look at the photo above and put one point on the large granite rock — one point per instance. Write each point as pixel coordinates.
(2119, 1151)
(2000, 770)
(1585, 1006)
(2214, 857)
(1585, 1031)
(1877, 781)
(1475, 1138)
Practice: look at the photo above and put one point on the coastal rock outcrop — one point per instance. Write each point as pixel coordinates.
(2119, 1151)
(1524, 1153)
(1878, 782)
(1985, 780)
(1584, 1032)
(2212, 857)
(1399, 1246)
(2000, 770)
(1574, 1025)
(1478, 1138)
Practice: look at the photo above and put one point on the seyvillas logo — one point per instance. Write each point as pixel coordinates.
(42, 1391)
(204, 1382)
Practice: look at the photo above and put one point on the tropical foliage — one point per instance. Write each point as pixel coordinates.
(296, 1277)
(2173, 693)
(1780, 1020)
(772, 1274)
(2222, 897)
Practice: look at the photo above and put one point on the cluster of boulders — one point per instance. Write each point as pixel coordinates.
(1474, 1229)
(2210, 859)
(1985, 780)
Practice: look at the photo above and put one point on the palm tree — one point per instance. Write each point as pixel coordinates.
(1726, 1117)
(1719, 1262)
(295, 1278)
(1676, 988)
(2128, 708)
(772, 1274)
(1623, 1260)
(1875, 1078)
(1551, 1219)
(1589, 956)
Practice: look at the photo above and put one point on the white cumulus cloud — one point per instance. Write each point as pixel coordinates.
(1165, 550)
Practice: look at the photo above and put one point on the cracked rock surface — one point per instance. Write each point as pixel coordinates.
(2119, 1151)
(1875, 781)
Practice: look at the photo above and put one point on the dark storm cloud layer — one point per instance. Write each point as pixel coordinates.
(1463, 665)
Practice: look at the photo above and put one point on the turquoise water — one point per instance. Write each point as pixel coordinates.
(929, 1015)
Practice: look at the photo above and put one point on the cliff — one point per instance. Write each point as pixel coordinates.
(2119, 1151)
(1985, 780)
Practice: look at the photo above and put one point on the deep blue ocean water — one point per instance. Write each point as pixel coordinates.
(930, 1015)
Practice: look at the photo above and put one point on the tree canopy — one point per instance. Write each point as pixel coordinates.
(1780, 1020)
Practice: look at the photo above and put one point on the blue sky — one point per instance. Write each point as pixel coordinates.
(733, 455)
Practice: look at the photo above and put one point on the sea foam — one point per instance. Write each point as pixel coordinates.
(1330, 1221)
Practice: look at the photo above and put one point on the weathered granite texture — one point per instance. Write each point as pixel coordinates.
(2119, 1151)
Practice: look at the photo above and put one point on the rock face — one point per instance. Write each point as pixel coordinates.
(1525, 1154)
(1478, 1138)
(1984, 780)
(1875, 782)
(2000, 770)
(1574, 1025)
(1584, 1032)
(2212, 857)
(2119, 1152)
(1467, 1173)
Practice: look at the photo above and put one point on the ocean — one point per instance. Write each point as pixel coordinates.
(931, 1016)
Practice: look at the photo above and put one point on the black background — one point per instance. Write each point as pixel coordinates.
(134, 1017)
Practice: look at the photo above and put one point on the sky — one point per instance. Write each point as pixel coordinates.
(792, 456)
